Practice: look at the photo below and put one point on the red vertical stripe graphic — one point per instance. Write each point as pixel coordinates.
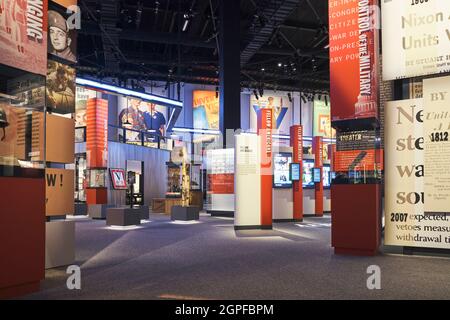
(297, 187)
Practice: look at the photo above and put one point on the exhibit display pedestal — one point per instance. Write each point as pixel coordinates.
(98, 211)
(144, 211)
(81, 209)
(356, 219)
(123, 217)
(59, 243)
(22, 235)
(185, 213)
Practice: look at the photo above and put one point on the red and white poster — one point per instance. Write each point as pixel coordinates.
(353, 59)
(23, 35)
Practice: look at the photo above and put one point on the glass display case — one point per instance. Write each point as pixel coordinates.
(173, 181)
(96, 178)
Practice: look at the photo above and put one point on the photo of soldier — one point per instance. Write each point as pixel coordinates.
(60, 88)
(62, 41)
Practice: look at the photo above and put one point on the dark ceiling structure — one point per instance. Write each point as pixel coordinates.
(284, 43)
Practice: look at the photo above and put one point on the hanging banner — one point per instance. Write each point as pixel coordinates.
(97, 133)
(436, 122)
(416, 38)
(23, 35)
(406, 224)
(205, 106)
(322, 120)
(62, 32)
(281, 112)
(353, 59)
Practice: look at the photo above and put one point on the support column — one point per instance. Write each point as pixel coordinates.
(229, 68)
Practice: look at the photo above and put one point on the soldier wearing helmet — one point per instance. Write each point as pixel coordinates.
(60, 41)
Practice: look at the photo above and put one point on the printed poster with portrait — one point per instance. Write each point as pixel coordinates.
(82, 97)
(322, 120)
(141, 116)
(205, 106)
(23, 35)
(62, 33)
(60, 90)
(281, 110)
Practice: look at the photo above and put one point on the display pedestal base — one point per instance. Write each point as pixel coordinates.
(98, 211)
(287, 220)
(144, 211)
(59, 243)
(216, 213)
(188, 213)
(81, 209)
(252, 228)
(123, 217)
(356, 219)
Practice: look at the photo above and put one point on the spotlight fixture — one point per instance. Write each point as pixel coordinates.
(326, 101)
(280, 64)
(289, 97)
(217, 92)
(256, 94)
(320, 97)
(261, 91)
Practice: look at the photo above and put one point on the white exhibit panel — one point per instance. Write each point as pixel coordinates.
(59, 243)
(309, 202)
(220, 167)
(283, 200)
(327, 200)
(283, 204)
(247, 181)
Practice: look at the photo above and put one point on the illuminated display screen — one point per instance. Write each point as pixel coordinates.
(282, 162)
(308, 165)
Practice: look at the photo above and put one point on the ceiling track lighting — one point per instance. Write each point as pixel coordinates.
(256, 94)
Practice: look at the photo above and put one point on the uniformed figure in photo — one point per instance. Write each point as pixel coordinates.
(59, 36)
(61, 90)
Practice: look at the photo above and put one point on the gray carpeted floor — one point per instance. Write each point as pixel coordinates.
(209, 260)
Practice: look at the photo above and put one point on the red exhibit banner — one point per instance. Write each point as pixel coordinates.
(353, 59)
(318, 164)
(265, 121)
(97, 133)
(23, 35)
(297, 148)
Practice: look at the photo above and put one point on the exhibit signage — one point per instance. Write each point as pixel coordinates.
(416, 38)
(97, 133)
(59, 191)
(205, 106)
(406, 223)
(23, 35)
(353, 59)
(281, 111)
(436, 122)
(296, 142)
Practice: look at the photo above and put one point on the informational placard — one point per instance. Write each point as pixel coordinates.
(353, 59)
(406, 223)
(119, 182)
(205, 106)
(416, 38)
(59, 191)
(436, 125)
(281, 111)
(23, 35)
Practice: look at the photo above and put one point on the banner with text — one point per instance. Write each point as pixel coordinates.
(406, 224)
(416, 38)
(353, 59)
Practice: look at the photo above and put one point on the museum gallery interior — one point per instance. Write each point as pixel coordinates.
(239, 149)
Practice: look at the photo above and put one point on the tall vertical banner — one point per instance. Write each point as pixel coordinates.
(353, 59)
(410, 187)
(23, 35)
(318, 163)
(97, 133)
(297, 188)
(265, 121)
